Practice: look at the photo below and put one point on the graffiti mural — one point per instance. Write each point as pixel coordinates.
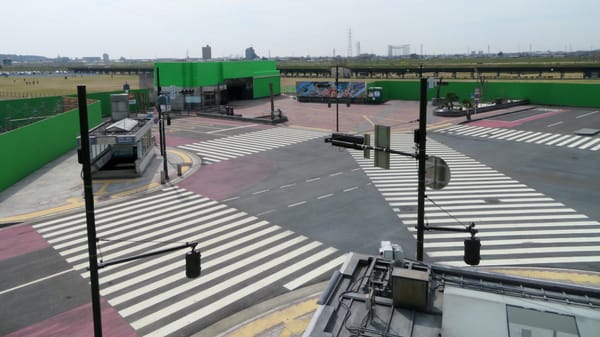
(328, 89)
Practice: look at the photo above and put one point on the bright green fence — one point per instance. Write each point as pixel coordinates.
(142, 100)
(15, 113)
(28, 148)
(547, 93)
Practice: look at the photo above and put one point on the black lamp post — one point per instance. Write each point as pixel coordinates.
(83, 153)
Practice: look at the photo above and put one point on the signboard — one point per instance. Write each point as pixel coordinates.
(382, 139)
(172, 92)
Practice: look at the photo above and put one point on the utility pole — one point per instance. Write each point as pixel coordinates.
(337, 97)
(421, 138)
(84, 159)
(161, 127)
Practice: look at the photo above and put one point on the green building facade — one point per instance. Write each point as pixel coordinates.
(227, 80)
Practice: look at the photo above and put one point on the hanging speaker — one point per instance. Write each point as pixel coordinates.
(472, 251)
(192, 264)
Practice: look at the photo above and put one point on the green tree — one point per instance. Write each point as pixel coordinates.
(450, 99)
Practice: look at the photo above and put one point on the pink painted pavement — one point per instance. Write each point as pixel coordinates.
(78, 322)
(510, 124)
(227, 178)
(19, 240)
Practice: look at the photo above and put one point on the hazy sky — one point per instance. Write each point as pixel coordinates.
(172, 28)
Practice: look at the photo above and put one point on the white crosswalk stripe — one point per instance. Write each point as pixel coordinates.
(555, 139)
(517, 225)
(226, 148)
(241, 256)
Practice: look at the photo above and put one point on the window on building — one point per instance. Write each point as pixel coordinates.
(524, 322)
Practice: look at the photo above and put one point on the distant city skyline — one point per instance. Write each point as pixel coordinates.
(138, 29)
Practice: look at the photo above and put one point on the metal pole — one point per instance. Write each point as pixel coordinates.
(161, 129)
(421, 157)
(89, 208)
(337, 99)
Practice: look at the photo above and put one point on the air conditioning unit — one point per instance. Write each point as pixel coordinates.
(410, 287)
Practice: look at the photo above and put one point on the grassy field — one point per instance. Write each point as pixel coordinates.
(41, 86)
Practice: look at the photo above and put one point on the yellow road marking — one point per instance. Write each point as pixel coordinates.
(135, 190)
(308, 128)
(573, 276)
(439, 125)
(185, 158)
(291, 318)
(102, 189)
(72, 204)
(368, 120)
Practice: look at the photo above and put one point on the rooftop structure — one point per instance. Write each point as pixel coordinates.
(376, 296)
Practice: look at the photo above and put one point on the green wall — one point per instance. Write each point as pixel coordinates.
(200, 74)
(30, 147)
(547, 93)
(261, 86)
(104, 98)
(241, 69)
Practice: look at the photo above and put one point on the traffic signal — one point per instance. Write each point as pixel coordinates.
(472, 251)
(192, 264)
(346, 140)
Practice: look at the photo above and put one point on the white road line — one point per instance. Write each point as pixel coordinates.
(544, 140)
(571, 139)
(351, 189)
(527, 233)
(311, 180)
(265, 212)
(511, 242)
(35, 281)
(563, 137)
(503, 218)
(336, 174)
(315, 272)
(260, 192)
(288, 185)
(206, 277)
(325, 196)
(503, 211)
(297, 204)
(233, 297)
(230, 199)
(235, 128)
(531, 260)
(587, 114)
(594, 141)
(553, 124)
(217, 288)
(519, 251)
(578, 142)
(222, 240)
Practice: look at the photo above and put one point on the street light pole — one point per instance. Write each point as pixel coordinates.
(161, 127)
(421, 138)
(84, 159)
(337, 98)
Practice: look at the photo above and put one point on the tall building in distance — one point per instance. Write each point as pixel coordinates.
(251, 54)
(206, 53)
(105, 58)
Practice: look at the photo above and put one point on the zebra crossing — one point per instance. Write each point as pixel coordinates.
(543, 138)
(517, 225)
(242, 256)
(226, 148)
